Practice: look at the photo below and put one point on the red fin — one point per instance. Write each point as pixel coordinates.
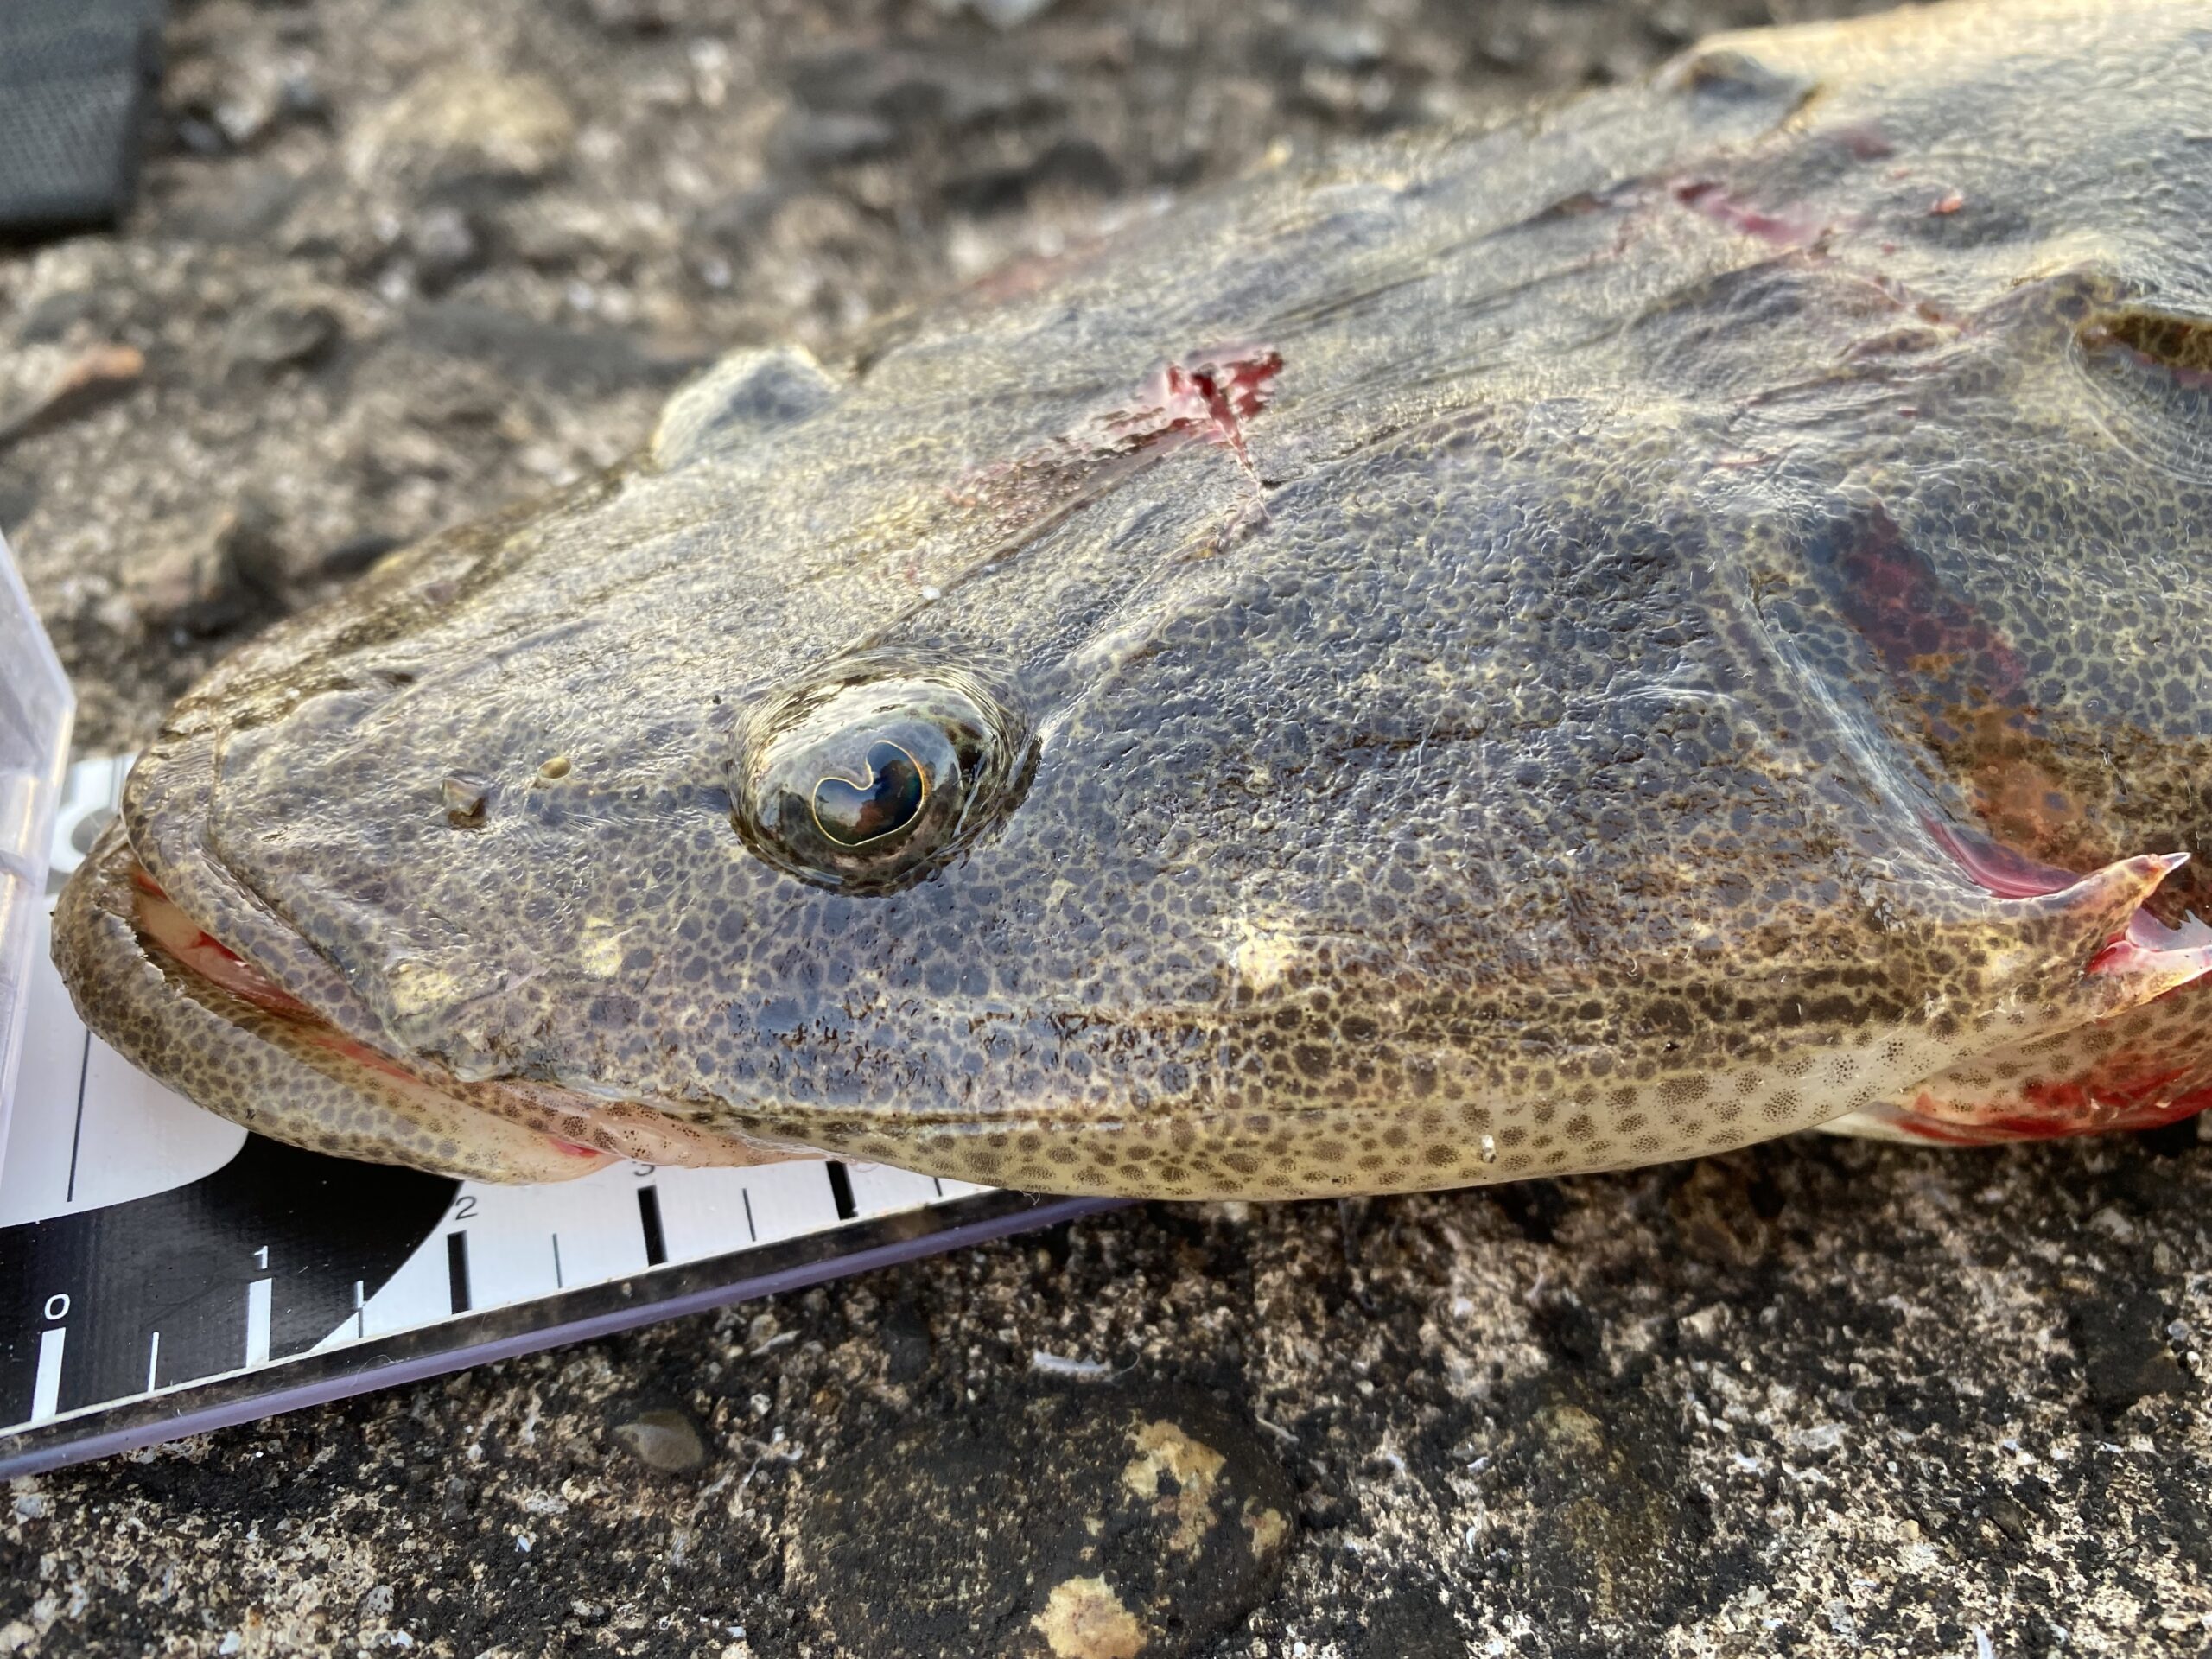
(2139, 1055)
(2149, 946)
(2093, 1104)
(2131, 958)
(2056, 1090)
(2152, 957)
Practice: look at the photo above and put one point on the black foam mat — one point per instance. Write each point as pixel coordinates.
(74, 79)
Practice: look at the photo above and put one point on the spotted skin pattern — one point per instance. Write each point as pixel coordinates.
(1490, 646)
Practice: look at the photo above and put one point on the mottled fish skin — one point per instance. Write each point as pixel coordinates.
(1604, 639)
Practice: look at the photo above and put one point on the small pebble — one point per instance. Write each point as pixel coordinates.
(663, 1439)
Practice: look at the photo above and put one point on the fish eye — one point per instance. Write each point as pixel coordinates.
(866, 781)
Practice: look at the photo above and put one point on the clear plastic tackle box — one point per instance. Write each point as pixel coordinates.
(35, 706)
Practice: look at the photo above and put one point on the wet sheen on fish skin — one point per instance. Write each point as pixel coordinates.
(1592, 642)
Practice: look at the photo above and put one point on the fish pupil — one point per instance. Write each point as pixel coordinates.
(887, 797)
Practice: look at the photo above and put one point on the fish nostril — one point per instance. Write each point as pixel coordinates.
(464, 798)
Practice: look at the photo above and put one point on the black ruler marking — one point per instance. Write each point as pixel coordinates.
(77, 1133)
(840, 1189)
(649, 1222)
(752, 1233)
(457, 1269)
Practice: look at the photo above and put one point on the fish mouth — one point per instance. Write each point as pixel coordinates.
(209, 1021)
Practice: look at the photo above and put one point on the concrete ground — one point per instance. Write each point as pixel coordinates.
(398, 262)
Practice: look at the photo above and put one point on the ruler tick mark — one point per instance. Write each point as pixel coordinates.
(77, 1133)
(46, 1386)
(649, 1222)
(259, 1299)
(457, 1270)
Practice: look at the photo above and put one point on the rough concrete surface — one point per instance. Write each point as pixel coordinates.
(400, 262)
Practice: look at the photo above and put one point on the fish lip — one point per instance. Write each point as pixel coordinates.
(167, 818)
(252, 982)
(190, 1033)
(266, 995)
(165, 823)
(109, 955)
